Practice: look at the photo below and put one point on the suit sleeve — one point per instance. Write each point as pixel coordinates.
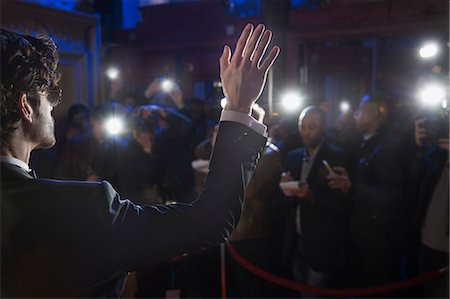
(143, 235)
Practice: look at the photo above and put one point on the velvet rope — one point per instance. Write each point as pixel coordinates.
(353, 292)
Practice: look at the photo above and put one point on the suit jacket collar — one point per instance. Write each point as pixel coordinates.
(321, 153)
(15, 161)
(10, 172)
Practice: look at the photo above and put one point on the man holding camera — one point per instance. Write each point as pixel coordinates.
(77, 239)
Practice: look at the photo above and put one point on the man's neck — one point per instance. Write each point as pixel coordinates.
(18, 149)
(312, 149)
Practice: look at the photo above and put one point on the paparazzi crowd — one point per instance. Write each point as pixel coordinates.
(338, 200)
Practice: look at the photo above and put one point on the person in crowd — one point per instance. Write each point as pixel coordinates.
(176, 176)
(316, 224)
(346, 134)
(284, 135)
(93, 156)
(179, 129)
(431, 217)
(252, 237)
(377, 195)
(137, 164)
(78, 120)
(77, 239)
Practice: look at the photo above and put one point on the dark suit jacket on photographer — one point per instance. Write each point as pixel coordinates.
(324, 218)
(378, 192)
(75, 239)
(379, 218)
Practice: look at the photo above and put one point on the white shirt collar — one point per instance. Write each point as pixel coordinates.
(314, 153)
(15, 161)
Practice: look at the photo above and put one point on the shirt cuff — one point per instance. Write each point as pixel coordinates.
(245, 119)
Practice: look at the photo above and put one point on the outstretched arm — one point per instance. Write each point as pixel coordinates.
(146, 234)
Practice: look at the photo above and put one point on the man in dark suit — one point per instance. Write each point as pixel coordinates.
(74, 239)
(316, 228)
(377, 194)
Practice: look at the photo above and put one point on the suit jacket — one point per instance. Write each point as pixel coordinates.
(78, 239)
(324, 219)
(377, 220)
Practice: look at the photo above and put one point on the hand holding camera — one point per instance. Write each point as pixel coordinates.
(339, 179)
(432, 131)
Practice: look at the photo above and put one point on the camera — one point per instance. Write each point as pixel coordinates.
(437, 127)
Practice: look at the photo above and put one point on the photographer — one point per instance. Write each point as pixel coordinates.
(377, 192)
(431, 221)
(175, 175)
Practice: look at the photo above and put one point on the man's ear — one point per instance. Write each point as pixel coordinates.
(25, 109)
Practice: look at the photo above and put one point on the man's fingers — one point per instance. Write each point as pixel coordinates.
(253, 42)
(242, 42)
(270, 59)
(262, 47)
(224, 60)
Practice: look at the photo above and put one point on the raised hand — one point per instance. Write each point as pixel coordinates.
(244, 73)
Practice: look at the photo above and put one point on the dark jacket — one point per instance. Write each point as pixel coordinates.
(75, 239)
(324, 219)
(429, 167)
(377, 220)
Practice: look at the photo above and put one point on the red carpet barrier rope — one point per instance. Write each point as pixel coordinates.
(355, 292)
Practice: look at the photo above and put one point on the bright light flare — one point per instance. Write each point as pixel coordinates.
(223, 103)
(428, 50)
(167, 85)
(291, 100)
(112, 73)
(344, 106)
(432, 95)
(114, 126)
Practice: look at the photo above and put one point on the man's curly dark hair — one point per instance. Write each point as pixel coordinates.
(27, 63)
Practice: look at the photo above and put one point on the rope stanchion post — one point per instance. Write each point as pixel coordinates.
(223, 277)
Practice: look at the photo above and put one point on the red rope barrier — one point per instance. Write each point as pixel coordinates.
(354, 292)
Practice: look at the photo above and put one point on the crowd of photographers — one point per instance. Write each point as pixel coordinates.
(339, 199)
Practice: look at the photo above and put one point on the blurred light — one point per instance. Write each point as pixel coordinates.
(167, 85)
(432, 94)
(291, 100)
(344, 106)
(223, 103)
(112, 73)
(114, 125)
(428, 50)
(444, 104)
